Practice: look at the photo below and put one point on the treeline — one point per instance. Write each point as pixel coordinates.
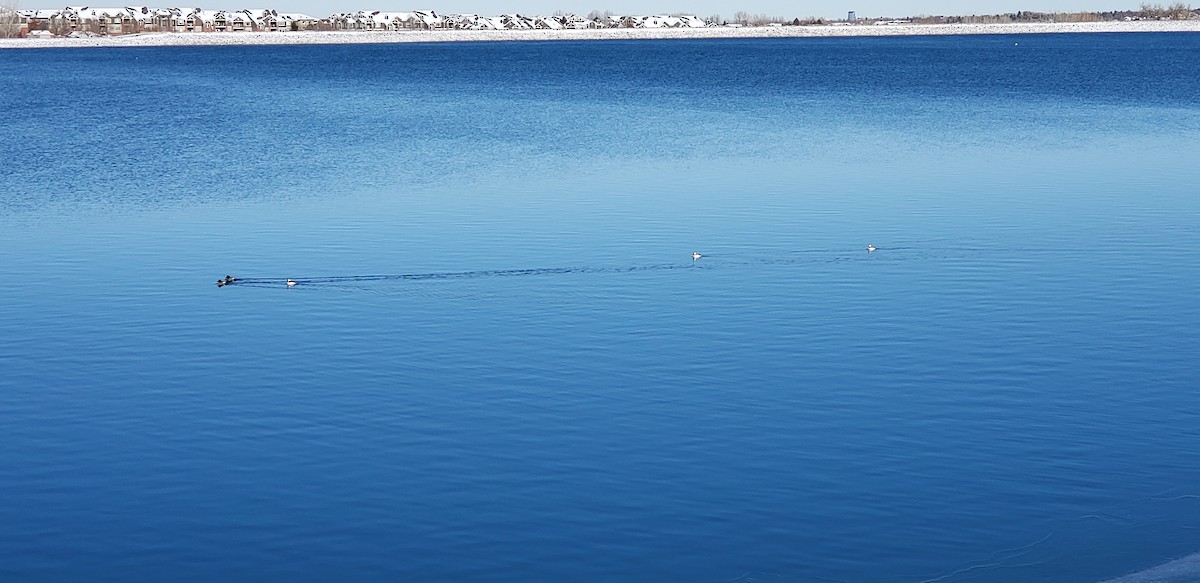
(1020, 17)
(1148, 11)
(1175, 11)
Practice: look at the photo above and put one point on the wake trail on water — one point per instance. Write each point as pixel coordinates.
(707, 261)
(1182, 570)
(450, 275)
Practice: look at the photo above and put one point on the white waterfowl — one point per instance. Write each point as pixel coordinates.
(696, 256)
(870, 248)
(291, 282)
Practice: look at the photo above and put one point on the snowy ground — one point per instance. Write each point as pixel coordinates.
(1185, 570)
(345, 37)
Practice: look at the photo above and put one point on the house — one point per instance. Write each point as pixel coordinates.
(244, 21)
(272, 21)
(350, 21)
(201, 21)
(18, 23)
(386, 20)
(165, 20)
(172, 19)
(429, 20)
(515, 22)
(295, 21)
(69, 19)
(359, 21)
(474, 22)
(107, 20)
(404, 20)
(579, 23)
(657, 22)
(143, 18)
(221, 21)
(608, 21)
(363, 21)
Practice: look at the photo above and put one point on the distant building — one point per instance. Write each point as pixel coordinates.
(850, 17)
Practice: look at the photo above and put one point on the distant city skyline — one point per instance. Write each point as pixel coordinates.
(725, 8)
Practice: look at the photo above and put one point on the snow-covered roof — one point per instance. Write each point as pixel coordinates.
(390, 17)
(105, 12)
(476, 22)
(205, 16)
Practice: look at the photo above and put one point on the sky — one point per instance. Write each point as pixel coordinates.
(725, 8)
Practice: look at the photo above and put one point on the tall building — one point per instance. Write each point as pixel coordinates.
(850, 17)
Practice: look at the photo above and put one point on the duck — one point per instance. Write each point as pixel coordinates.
(696, 256)
(230, 279)
(220, 282)
(870, 248)
(291, 282)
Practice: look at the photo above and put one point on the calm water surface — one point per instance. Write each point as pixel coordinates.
(537, 383)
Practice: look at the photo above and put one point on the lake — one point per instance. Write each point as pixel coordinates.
(501, 363)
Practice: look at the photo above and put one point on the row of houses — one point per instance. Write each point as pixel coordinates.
(139, 19)
(432, 20)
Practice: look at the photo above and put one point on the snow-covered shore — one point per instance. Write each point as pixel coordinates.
(1184, 570)
(347, 37)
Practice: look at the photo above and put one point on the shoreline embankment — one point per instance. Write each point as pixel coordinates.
(820, 31)
(1183, 570)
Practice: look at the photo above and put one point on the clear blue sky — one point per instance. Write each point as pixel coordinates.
(726, 8)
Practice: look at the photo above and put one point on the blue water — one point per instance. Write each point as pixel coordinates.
(500, 362)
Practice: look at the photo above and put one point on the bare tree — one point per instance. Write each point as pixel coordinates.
(714, 19)
(60, 26)
(10, 18)
(1179, 11)
(741, 17)
(763, 20)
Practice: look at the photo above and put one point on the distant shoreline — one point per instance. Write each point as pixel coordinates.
(819, 31)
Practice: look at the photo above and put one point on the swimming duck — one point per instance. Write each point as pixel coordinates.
(870, 248)
(696, 256)
(291, 282)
